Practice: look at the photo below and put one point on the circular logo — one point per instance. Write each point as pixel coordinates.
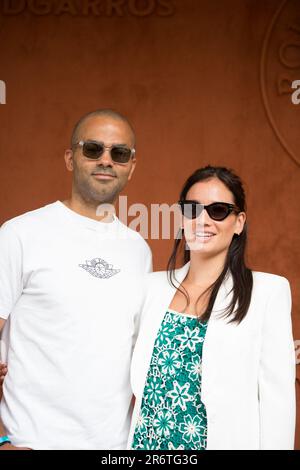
(280, 69)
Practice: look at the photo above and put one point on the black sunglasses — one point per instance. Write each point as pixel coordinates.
(93, 150)
(216, 211)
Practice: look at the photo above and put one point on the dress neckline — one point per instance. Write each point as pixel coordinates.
(170, 310)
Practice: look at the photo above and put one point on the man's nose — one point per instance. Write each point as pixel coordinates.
(105, 159)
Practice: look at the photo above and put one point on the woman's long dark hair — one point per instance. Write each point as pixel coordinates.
(235, 260)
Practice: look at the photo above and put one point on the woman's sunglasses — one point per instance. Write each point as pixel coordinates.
(93, 150)
(216, 211)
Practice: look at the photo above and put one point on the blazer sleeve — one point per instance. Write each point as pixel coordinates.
(277, 371)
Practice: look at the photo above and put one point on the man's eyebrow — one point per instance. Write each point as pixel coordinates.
(117, 143)
(102, 142)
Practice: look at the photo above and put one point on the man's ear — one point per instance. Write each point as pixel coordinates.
(132, 168)
(69, 159)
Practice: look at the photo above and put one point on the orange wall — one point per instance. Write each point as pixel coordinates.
(203, 82)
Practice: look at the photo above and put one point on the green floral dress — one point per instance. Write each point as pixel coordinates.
(172, 415)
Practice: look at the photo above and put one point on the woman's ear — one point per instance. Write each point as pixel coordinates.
(241, 220)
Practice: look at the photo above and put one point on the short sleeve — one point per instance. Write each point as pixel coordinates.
(11, 279)
(149, 263)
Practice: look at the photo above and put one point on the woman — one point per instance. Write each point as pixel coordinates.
(214, 363)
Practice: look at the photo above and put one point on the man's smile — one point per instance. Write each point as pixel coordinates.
(103, 176)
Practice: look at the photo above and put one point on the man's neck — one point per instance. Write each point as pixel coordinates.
(90, 210)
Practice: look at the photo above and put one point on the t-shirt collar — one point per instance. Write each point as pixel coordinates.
(87, 221)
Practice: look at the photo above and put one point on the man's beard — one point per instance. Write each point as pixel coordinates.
(88, 193)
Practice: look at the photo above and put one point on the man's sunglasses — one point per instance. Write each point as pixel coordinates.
(93, 150)
(216, 211)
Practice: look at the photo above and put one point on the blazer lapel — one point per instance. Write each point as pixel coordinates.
(210, 353)
(157, 305)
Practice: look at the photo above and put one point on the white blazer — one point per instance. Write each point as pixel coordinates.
(248, 370)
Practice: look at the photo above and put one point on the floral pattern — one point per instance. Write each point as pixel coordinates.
(163, 422)
(172, 415)
(180, 395)
(192, 429)
(154, 391)
(169, 360)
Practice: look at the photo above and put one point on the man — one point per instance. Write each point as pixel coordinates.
(70, 297)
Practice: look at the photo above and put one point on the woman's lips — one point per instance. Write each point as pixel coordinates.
(206, 237)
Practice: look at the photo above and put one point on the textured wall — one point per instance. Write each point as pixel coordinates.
(203, 82)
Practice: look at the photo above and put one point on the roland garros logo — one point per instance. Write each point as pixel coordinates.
(138, 8)
(280, 76)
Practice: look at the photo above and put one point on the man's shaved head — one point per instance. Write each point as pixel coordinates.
(101, 180)
(105, 113)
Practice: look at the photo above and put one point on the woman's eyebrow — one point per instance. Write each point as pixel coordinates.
(213, 202)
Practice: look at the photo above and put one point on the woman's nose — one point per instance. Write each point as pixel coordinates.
(203, 219)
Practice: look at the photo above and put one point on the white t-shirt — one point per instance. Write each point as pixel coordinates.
(71, 288)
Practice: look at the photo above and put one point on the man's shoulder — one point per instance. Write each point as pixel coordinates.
(156, 280)
(132, 234)
(33, 217)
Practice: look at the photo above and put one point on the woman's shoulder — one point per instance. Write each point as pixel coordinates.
(261, 280)
(258, 277)
(268, 284)
(269, 279)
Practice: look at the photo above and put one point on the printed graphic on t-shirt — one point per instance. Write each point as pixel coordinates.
(99, 268)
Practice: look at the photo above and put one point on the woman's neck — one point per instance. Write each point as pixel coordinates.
(205, 270)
